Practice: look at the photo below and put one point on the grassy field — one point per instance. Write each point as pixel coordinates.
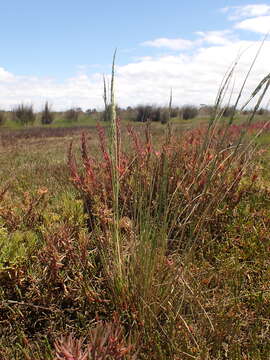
(163, 254)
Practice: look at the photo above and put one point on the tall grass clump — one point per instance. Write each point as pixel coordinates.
(152, 209)
(23, 114)
(47, 115)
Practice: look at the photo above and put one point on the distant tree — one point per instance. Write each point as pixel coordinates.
(23, 114)
(175, 112)
(164, 116)
(91, 111)
(189, 112)
(148, 113)
(47, 115)
(263, 111)
(207, 110)
(228, 111)
(2, 118)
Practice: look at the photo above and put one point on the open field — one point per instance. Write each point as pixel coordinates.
(179, 270)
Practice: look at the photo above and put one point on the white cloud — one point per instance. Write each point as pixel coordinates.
(81, 90)
(246, 11)
(172, 44)
(193, 75)
(210, 37)
(260, 24)
(216, 37)
(5, 76)
(194, 78)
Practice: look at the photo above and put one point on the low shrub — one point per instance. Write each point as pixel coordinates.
(175, 112)
(71, 115)
(263, 111)
(23, 114)
(148, 113)
(228, 111)
(188, 112)
(165, 116)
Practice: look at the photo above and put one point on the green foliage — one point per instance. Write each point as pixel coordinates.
(23, 114)
(69, 211)
(15, 247)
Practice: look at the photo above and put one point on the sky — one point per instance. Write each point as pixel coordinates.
(58, 50)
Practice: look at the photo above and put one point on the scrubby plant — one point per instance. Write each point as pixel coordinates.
(143, 113)
(47, 115)
(206, 110)
(15, 247)
(71, 115)
(106, 341)
(175, 112)
(263, 111)
(23, 114)
(227, 111)
(148, 113)
(168, 201)
(188, 112)
(151, 205)
(165, 116)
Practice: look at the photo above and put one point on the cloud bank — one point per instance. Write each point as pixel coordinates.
(192, 68)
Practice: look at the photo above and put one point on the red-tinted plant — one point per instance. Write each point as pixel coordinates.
(106, 341)
(182, 182)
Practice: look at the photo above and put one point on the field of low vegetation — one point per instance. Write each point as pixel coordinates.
(137, 233)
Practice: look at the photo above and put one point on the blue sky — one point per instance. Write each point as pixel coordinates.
(58, 50)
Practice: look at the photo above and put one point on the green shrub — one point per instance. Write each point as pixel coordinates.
(175, 112)
(47, 115)
(148, 113)
(15, 247)
(228, 111)
(189, 112)
(23, 114)
(165, 116)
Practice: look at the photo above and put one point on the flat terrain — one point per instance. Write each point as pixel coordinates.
(190, 276)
